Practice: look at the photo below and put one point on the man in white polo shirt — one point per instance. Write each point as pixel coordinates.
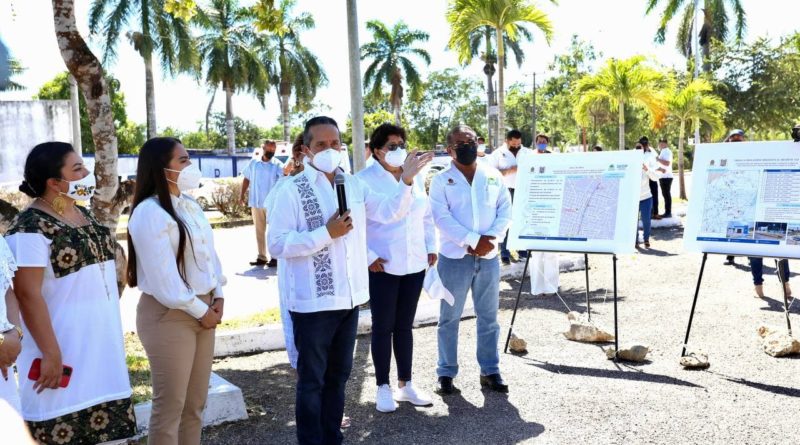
(664, 160)
(505, 159)
(472, 209)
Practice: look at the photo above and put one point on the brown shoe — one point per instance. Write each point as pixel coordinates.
(788, 290)
(759, 290)
(647, 244)
(657, 217)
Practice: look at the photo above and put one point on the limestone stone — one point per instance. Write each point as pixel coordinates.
(695, 360)
(517, 345)
(633, 353)
(584, 331)
(777, 343)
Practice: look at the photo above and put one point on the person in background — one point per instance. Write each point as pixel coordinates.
(172, 260)
(505, 159)
(653, 184)
(10, 331)
(260, 177)
(757, 263)
(664, 160)
(544, 265)
(399, 254)
(368, 153)
(326, 271)
(66, 287)
(649, 174)
(471, 206)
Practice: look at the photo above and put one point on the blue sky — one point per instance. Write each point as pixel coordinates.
(617, 28)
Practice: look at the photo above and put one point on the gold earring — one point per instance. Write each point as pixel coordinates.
(59, 204)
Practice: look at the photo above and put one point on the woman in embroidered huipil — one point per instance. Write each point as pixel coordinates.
(171, 258)
(68, 297)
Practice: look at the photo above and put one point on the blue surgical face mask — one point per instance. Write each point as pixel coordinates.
(541, 147)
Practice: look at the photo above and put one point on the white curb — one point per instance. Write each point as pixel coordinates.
(225, 404)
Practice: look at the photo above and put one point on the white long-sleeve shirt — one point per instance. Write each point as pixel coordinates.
(464, 212)
(322, 273)
(502, 158)
(155, 237)
(649, 160)
(404, 244)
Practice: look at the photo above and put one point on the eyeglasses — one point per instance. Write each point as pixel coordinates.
(394, 147)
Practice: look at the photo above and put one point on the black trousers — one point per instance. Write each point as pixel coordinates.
(393, 301)
(325, 342)
(654, 192)
(666, 192)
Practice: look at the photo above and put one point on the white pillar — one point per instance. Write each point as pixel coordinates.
(356, 99)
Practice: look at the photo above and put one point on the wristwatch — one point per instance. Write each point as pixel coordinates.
(3, 334)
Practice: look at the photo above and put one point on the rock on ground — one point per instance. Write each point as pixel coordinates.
(778, 344)
(634, 353)
(585, 331)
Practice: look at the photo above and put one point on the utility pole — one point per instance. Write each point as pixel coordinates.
(356, 99)
(76, 114)
(533, 127)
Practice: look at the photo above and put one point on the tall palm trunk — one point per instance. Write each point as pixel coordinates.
(622, 125)
(681, 180)
(501, 102)
(285, 91)
(230, 130)
(150, 96)
(208, 109)
(396, 96)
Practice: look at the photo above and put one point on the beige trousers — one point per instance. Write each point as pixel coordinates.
(260, 222)
(180, 353)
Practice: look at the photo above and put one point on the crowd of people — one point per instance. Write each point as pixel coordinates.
(60, 315)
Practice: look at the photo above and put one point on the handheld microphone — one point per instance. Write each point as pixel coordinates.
(338, 182)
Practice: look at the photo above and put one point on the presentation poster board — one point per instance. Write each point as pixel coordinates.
(577, 202)
(745, 199)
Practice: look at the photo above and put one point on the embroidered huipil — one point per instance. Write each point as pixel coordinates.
(404, 244)
(464, 212)
(321, 273)
(155, 236)
(79, 286)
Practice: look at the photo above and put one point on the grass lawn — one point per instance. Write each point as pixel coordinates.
(139, 366)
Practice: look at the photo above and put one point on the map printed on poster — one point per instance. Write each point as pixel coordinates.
(576, 202)
(745, 199)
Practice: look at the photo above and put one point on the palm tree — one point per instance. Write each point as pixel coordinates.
(226, 47)
(14, 68)
(715, 22)
(506, 17)
(620, 83)
(155, 30)
(389, 51)
(694, 102)
(299, 70)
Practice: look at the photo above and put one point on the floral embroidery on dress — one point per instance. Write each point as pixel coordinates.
(103, 422)
(323, 268)
(71, 248)
(8, 266)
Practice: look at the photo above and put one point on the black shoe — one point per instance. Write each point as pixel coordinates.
(522, 254)
(666, 215)
(258, 262)
(446, 387)
(494, 382)
(730, 261)
(272, 263)
(506, 261)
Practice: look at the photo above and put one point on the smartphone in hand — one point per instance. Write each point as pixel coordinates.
(36, 372)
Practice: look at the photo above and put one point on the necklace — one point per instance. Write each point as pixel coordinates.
(64, 217)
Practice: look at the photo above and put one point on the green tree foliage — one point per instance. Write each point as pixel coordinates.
(248, 134)
(760, 83)
(58, 89)
(446, 99)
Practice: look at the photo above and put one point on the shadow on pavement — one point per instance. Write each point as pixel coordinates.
(635, 375)
(775, 389)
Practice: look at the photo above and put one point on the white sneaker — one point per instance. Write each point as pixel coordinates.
(384, 400)
(409, 394)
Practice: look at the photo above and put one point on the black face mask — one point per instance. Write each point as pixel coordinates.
(514, 149)
(466, 153)
(269, 155)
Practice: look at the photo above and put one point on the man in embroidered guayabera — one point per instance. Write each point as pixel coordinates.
(325, 274)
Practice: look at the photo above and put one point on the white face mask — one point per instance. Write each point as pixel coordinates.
(188, 178)
(82, 189)
(327, 160)
(396, 158)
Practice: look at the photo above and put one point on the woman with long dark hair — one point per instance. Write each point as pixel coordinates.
(74, 383)
(171, 258)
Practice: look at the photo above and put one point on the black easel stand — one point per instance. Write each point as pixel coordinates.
(780, 268)
(588, 305)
